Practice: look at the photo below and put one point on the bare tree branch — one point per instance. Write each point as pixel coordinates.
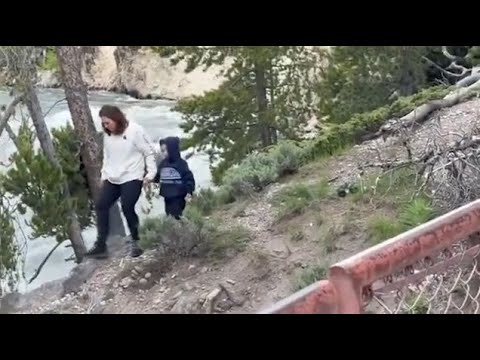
(449, 73)
(421, 113)
(9, 112)
(11, 134)
(42, 264)
(449, 56)
(53, 106)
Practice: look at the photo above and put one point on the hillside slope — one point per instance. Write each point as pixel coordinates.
(291, 244)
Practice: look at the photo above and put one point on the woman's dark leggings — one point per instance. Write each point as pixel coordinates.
(129, 193)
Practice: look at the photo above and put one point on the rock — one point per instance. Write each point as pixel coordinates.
(224, 305)
(213, 294)
(163, 289)
(135, 273)
(181, 307)
(231, 282)
(204, 270)
(177, 295)
(143, 281)
(210, 300)
(174, 276)
(148, 275)
(157, 301)
(191, 267)
(138, 269)
(103, 303)
(109, 295)
(187, 287)
(125, 283)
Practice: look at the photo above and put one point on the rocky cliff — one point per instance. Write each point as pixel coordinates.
(139, 72)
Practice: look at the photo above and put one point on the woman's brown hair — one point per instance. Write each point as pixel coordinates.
(117, 116)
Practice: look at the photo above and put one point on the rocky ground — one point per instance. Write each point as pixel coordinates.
(268, 270)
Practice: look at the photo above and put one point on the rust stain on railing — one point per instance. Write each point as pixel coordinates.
(342, 292)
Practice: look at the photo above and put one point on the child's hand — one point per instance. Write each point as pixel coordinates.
(146, 183)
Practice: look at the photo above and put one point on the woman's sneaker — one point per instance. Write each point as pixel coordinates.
(135, 250)
(98, 251)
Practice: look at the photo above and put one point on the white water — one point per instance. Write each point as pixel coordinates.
(154, 115)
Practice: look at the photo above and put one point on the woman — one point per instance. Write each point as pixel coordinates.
(127, 151)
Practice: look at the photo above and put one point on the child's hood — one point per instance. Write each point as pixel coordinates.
(173, 148)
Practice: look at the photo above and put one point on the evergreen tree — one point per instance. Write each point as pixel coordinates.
(8, 246)
(39, 184)
(266, 96)
(47, 192)
(362, 78)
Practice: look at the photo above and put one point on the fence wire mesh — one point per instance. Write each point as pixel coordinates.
(447, 283)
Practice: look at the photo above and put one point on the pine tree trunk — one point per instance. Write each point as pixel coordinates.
(46, 143)
(69, 60)
(262, 105)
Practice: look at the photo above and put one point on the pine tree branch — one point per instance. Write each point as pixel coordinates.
(42, 264)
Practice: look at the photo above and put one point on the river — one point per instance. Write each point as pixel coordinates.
(158, 119)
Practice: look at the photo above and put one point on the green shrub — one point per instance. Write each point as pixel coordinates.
(294, 200)
(206, 201)
(411, 214)
(50, 62)
(417, 305)
(399, 185)
(310, 275)
(337, 136)
(381, 228)
(287, 156)
(192, 235)
(417, 212)
(253, 174)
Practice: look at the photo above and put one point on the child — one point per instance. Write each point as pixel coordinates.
(175, 178)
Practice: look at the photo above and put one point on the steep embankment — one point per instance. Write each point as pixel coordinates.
(139, 72)
(295, 234)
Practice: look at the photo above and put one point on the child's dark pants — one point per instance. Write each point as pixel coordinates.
(175, 206)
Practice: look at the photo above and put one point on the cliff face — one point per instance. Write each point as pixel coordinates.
(138, 72)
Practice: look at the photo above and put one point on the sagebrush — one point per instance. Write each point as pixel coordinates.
(193, 235)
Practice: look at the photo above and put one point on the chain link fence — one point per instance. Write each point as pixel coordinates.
(448, 283)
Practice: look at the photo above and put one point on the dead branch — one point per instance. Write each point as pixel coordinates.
(9, 112)
(421, 113)
(449, 56)
(44, 261)
(11, 134)
(469, 80)
(463, 70)
(53, 106)
(445, 172)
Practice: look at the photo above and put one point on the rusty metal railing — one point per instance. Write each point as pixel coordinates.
(429, 269)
